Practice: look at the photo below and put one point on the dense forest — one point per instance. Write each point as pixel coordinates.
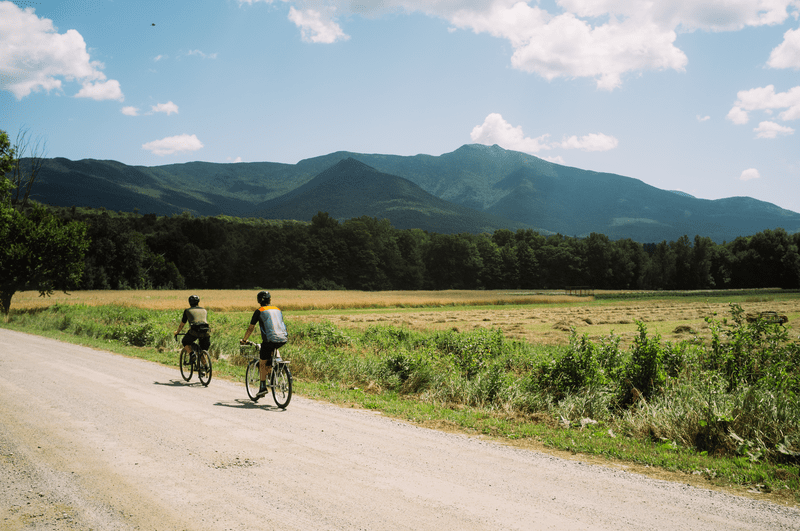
(130, 251)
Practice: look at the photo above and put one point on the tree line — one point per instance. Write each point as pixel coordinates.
(133, 251)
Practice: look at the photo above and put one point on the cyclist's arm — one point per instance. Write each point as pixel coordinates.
(247, 333)
(183, 322)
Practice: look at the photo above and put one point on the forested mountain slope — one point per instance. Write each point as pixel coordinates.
(514, 189)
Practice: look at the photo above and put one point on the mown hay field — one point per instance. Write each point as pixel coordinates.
(537, 317)
(293, 300)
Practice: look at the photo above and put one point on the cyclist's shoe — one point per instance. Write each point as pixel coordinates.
(262, 390)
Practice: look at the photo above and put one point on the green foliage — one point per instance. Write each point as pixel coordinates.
(470, 351)
(6, 155)
(324, 333)
(38, 251)
(132, 251)
(644, 374)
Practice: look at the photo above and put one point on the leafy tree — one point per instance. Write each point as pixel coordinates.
(6, 154)
(37, 250)
(452, 262)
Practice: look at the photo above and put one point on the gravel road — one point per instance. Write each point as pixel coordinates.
(94, 440)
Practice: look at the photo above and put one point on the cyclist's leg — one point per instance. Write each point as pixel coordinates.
(265, 366)
(205, 343)
(187, 341)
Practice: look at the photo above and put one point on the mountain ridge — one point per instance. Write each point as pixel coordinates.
(499, 188)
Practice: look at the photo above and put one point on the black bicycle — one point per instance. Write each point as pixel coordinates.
(198, 360)
(280, 380)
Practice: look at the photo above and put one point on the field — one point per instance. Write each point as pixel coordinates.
(543, 318)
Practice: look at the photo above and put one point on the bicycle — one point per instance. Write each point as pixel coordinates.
(280, 379)
(199, 361)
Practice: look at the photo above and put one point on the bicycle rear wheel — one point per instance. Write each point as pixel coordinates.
(281, 380)
(204, 367)
(252, 380)
(187, 368)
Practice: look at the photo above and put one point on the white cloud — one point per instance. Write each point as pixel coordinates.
(159, 57)
(590, 142)
(766, 99)
(130, 111)
(599, 39)
(703, 118)
(749, 174)
(316, 26)
(787, 54)
(36, 57)
(738, 115)
(201, 54)
(102, 90)
(173, 144)
(167, 108)
(496, 130)
(567, 46)
(772, 130)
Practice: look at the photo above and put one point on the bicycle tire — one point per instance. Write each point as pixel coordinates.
(252, 380)
(281, 380)
(204, 368)
(187, 368)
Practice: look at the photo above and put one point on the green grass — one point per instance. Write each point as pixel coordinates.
(724, 413)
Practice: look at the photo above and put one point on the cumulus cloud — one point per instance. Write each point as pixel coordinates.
(787, 54)
(599, 39)
(590, 142)
(703, 118)
(749, 174)
(130, 111)
(102, 90)
(173, 144)
(317, 26)
(167, 108)
(36, 57)
(496, 130)
(772, 130)
(766, 99)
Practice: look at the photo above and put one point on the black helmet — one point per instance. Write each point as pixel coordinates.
(194, 300)
(264, 297)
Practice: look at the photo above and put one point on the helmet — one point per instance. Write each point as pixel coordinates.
(264, 297)
(194, 300)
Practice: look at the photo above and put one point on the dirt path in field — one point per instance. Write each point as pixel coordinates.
(673, 319)
(93, 440)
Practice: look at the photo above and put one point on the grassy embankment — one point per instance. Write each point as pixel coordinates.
(718, 412)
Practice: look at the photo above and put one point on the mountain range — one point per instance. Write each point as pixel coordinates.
(475, 188)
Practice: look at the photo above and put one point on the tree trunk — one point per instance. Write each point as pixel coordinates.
(5, 300)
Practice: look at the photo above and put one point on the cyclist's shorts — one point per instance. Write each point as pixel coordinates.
(267, 348)
(203, 342)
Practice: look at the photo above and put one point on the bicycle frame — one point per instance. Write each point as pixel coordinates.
(198, 360)
(280, 376)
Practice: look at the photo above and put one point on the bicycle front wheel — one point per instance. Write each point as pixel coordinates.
(187, 368)
(204, 368)
(281, 380)
(252, 380)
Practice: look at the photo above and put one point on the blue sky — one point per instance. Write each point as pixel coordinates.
(691, 95)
